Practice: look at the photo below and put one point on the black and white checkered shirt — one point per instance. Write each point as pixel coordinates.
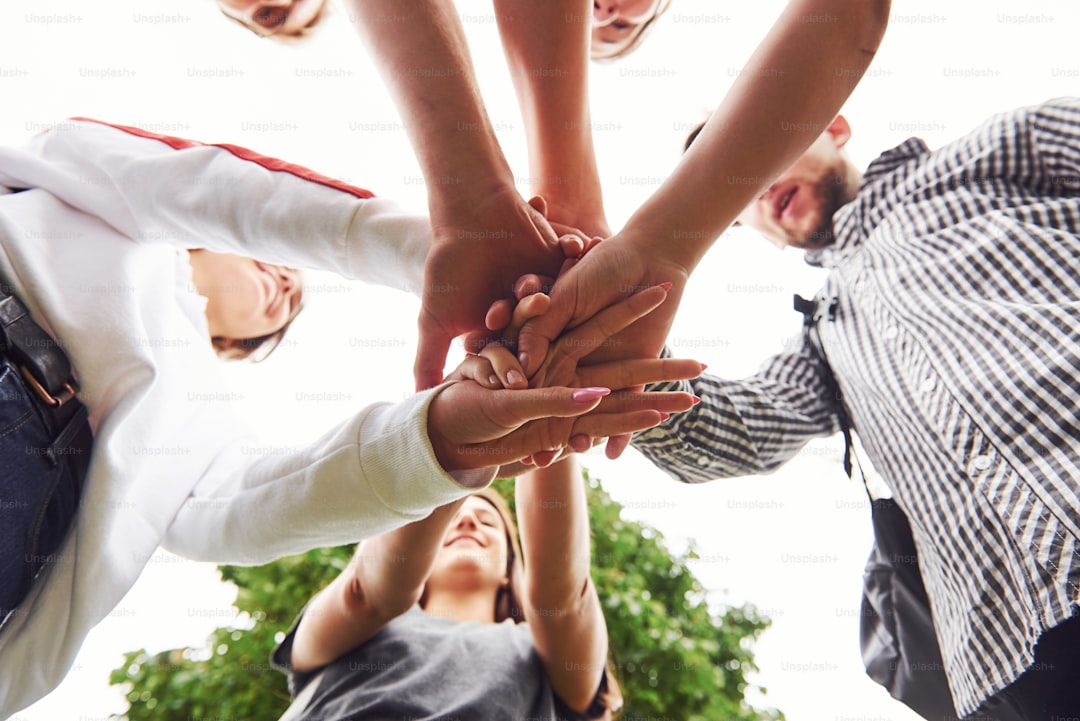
(956, 346)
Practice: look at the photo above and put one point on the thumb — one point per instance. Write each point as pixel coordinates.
(539, 204)
(536, 336)
(431, 350)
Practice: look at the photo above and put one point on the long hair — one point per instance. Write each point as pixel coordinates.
(609, 698)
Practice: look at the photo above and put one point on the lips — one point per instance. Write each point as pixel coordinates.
(782, 200)
(455, 539)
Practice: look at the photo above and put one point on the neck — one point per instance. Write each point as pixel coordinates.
(853, 178)
(462, 605)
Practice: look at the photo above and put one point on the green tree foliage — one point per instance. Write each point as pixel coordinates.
(674, 657)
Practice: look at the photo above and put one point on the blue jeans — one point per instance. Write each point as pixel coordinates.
(40, 481)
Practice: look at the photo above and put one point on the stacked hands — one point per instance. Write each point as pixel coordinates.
(576, 379)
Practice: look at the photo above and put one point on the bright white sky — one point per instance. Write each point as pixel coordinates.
(179, 68)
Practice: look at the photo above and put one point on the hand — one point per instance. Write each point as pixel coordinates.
(606, 274)
(479, 250)
(496, 367)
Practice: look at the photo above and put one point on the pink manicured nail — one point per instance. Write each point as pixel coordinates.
(664, 416)
(704, 367)
(666, 286)
(696, 400)
(588, 395)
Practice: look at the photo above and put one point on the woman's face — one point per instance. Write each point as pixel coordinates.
(474, 548)
(245, 298)
(616, 22)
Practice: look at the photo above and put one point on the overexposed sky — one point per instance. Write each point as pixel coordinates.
(177, 67)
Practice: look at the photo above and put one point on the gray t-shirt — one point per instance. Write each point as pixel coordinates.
(425, 668)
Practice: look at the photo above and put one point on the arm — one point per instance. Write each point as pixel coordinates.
(158, 188)
(788, 92)
(561, 605)
(744, 427)
(547, 48)
(476, 212)
(391, 464)
(382, 581)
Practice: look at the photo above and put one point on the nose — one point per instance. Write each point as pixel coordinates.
(604, 11)
(289, 278)
(466, 519)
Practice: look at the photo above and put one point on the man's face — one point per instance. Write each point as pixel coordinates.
(797, 209)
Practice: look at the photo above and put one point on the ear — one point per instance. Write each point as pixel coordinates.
(839, 130)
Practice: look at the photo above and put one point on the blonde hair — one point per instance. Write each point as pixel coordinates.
(301, 36)
(614, 51)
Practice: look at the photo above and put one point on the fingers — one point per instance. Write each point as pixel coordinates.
(627, 373)
(499, 314)
(479, 369)
(431, 350)
(539, 204)
(531, 307)
(635, 399)
(572, 246)
(543, 441)
(594, 333)
(531, 283)
(504, 365)
(511, 409)
(584, 339)
(616, 445)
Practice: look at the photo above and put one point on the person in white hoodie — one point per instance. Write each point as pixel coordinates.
(105, 233)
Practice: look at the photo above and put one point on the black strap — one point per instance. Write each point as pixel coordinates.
(34, 350)
(814, 311)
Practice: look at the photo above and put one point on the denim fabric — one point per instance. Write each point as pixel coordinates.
(39, 496)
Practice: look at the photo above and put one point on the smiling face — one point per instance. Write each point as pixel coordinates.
(797, 209)
(474, 549)
(245, 298)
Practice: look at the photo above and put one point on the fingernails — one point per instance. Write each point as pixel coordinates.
(666, 286)
(696, 400)
(514, 376)
(704, 367)
(580, 443)
(664, 416)
(588, 395)
(494, 380)
(523, 359)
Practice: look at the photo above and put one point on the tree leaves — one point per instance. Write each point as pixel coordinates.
(673, 656)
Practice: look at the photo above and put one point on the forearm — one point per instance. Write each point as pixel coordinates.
(788, 92)
(554, 523)
(421, 52)
(546, 46)
(743, 427)
(383, 580)
(561, 604)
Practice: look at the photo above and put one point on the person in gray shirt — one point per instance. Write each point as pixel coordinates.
(444, 619)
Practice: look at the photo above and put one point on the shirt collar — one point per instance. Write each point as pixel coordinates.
(849, 221)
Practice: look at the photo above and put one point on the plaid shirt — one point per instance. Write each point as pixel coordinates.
(956, 347)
